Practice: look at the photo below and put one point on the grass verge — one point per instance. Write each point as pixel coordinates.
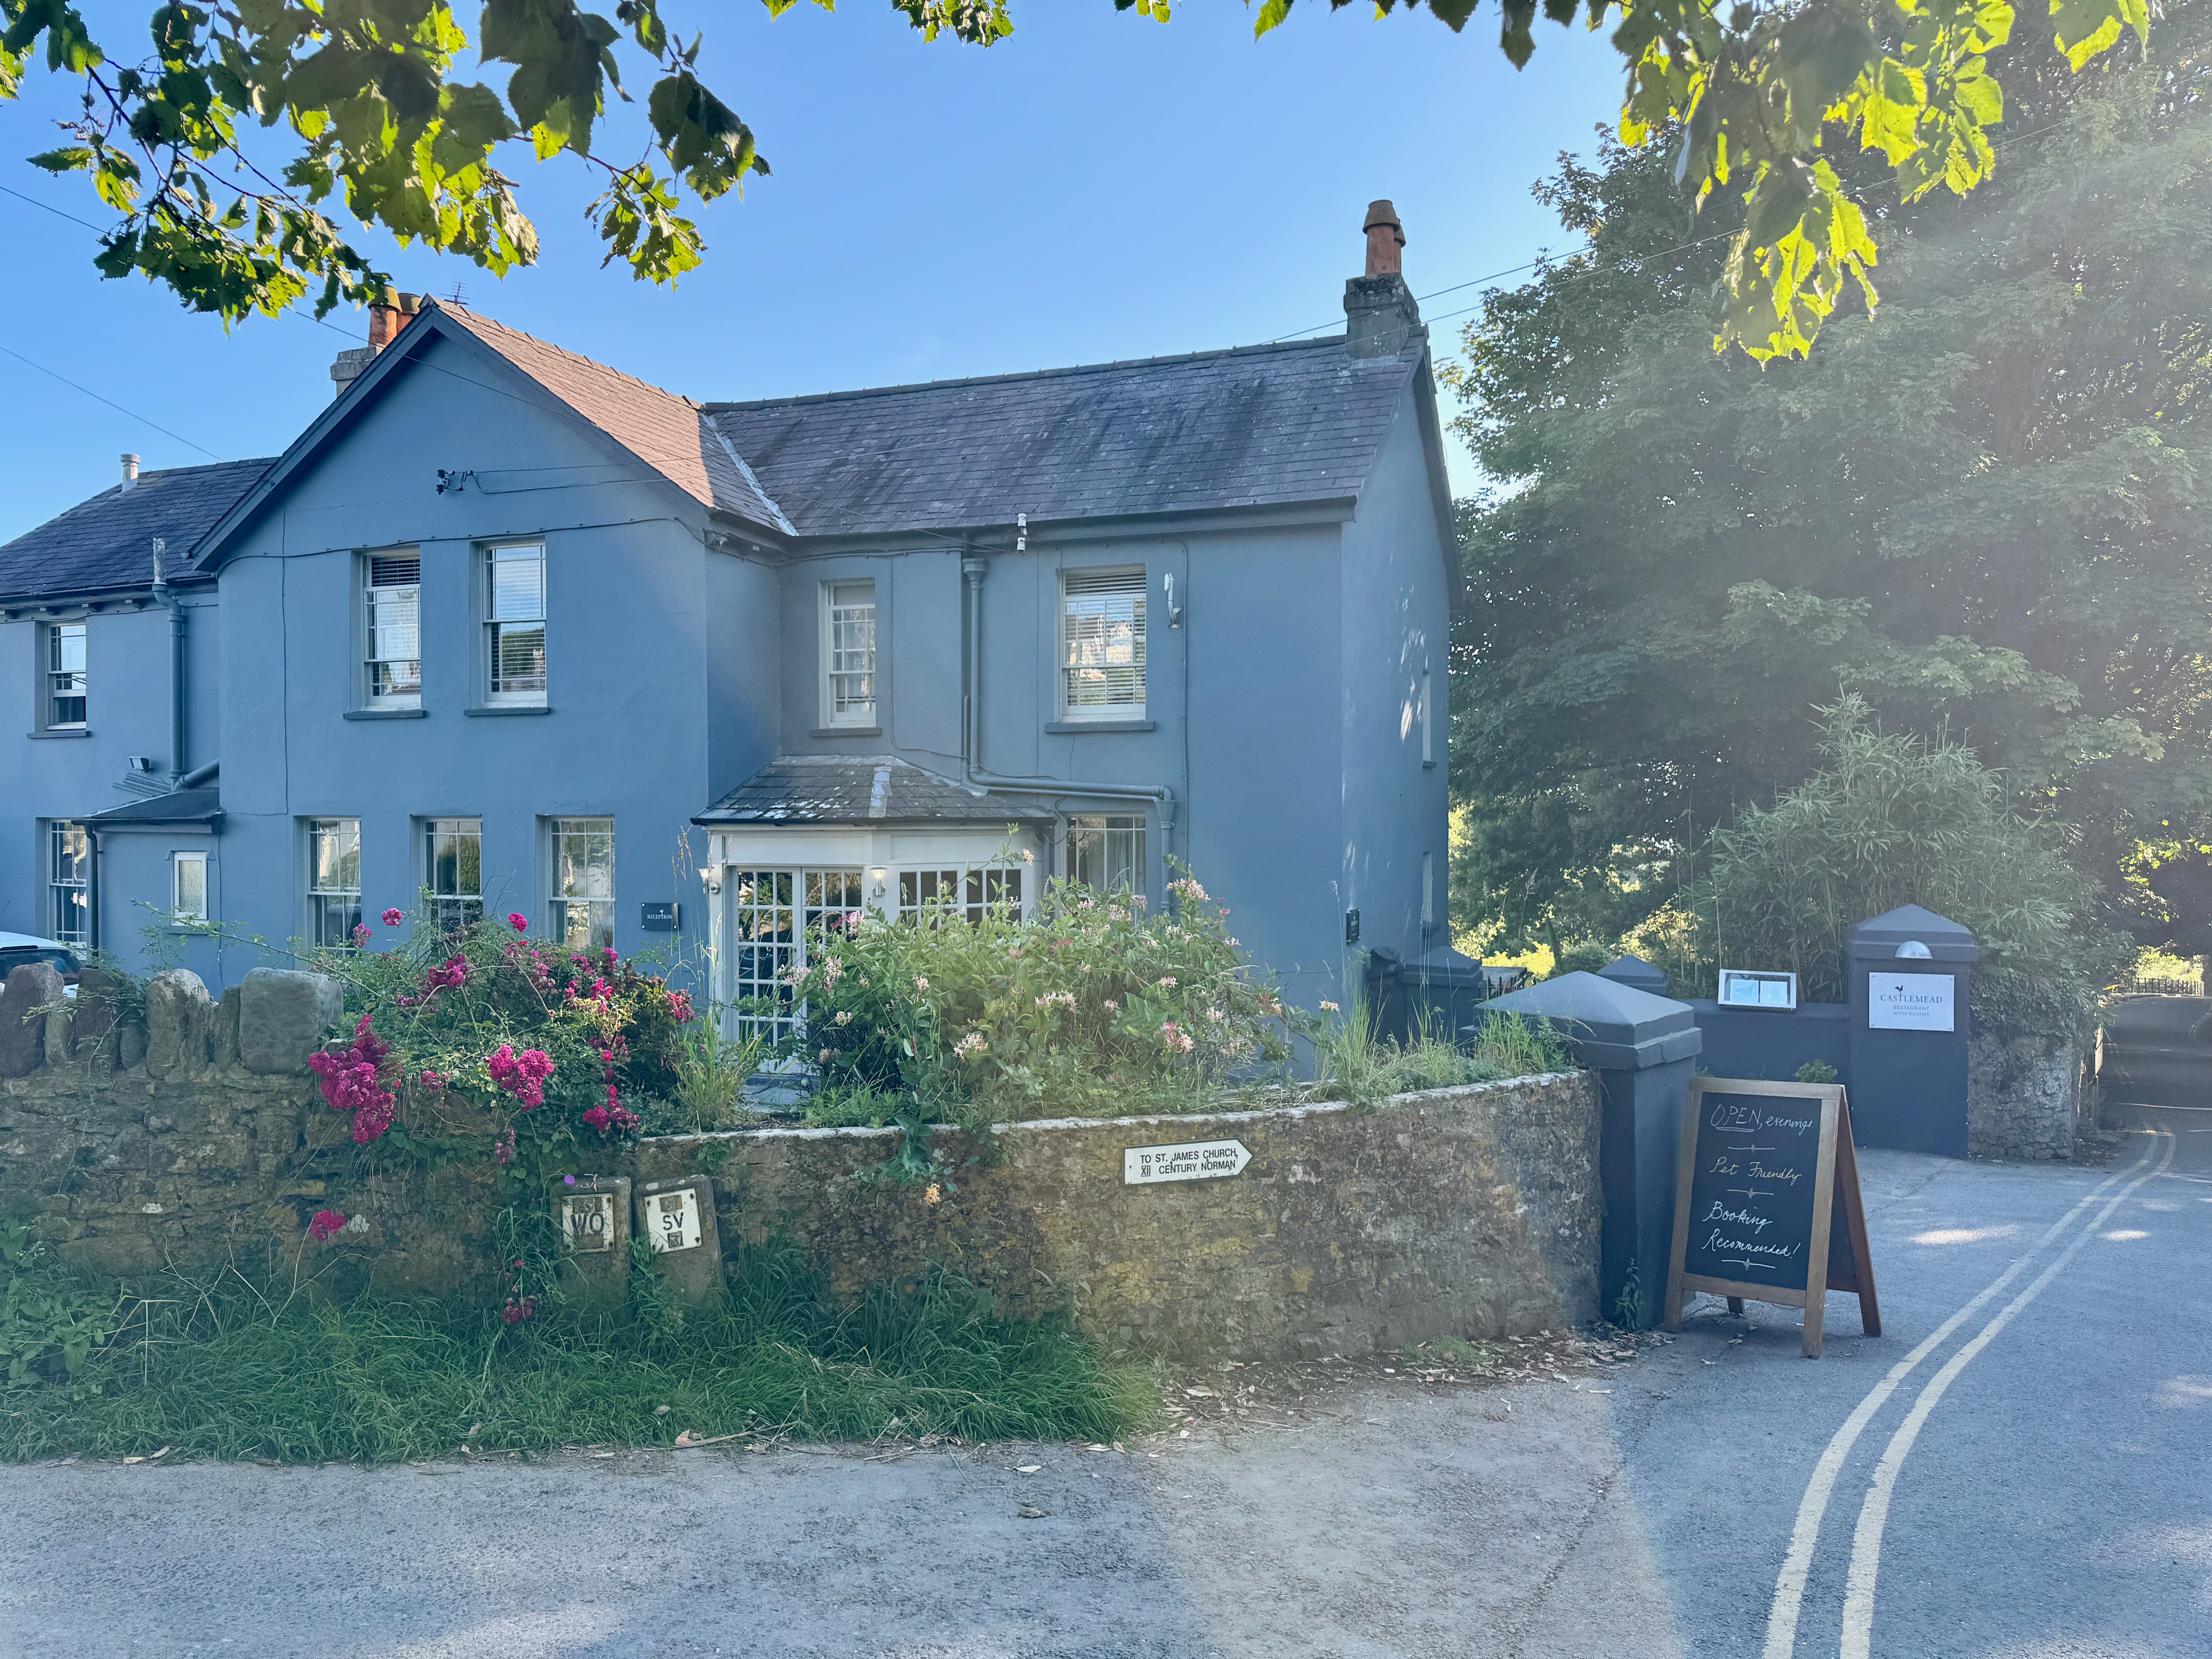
(234, 1372)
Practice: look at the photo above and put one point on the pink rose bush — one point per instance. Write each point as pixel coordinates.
(550, 1044)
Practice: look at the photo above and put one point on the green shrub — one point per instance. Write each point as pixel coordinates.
(1090, 1006)
(1351, 1063)
(1893, 820)
(1586, 956)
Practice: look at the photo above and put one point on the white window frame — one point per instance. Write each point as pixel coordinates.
(524, 695)
(368, 588)
(56, 681)
(770, 937)
(60, 888)
(564, 894)
(840, 623)
(1090, 685)
(180, 910)
(451, 911)
(1121, 839)
(971, 888)
(324, 896)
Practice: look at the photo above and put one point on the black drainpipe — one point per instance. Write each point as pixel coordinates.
(169, 602)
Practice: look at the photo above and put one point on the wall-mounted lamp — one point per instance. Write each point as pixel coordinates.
(877, 876)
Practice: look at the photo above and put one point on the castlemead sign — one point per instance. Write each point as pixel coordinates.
(1910, 1002)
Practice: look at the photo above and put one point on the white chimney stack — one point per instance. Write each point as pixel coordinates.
(130, 472)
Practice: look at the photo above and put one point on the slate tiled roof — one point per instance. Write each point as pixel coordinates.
(1256, 426)
(178, 806)
(661, 428)
(107, 542)
(859, 789)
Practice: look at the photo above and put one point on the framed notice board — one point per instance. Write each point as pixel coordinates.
(1767, 1208)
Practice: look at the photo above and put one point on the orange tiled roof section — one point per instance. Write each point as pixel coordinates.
(667, 432)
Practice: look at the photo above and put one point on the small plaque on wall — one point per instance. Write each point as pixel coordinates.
(660, 917)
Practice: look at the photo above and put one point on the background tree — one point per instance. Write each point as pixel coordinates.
(370, 89)
(1981, 510)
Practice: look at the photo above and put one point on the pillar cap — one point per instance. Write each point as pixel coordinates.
(1878, 936)
(1612, 1026)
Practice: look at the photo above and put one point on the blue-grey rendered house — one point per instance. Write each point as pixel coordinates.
(512, 628)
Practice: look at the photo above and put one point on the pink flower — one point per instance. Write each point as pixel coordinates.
(350, 1080)
(392, 918)
(360, 934)
(598, 1117)
(450, 975)
(521, 1075)
(325, 1225)
(679, 1005)
(517, 921)
(515, 1312)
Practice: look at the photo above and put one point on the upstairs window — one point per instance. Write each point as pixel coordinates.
(1106, 852)
(63, 701)
(582, 902)
(333, 880)
(515, 623)
(848, 654)
(392, 671)
(452, 865)
(1102, 645)
(68, 883)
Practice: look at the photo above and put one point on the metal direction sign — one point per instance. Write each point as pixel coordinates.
(672, 1219)
(1910, 1002)
(1193, 1160)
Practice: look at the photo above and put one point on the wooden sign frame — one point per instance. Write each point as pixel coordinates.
(1836, 1186)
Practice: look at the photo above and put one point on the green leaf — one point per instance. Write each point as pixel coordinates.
(70, 158)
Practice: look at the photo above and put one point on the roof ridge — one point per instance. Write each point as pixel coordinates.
(573, 356)
(1332, 340)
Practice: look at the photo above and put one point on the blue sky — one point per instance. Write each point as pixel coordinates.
(1098, 186)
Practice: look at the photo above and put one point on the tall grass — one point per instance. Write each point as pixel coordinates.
(236, 1372)
(1352, 1063)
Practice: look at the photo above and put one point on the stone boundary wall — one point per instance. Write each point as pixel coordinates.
(1470, 1212)
(2023, 1096)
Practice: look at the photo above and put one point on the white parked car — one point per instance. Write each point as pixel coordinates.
(16, 949)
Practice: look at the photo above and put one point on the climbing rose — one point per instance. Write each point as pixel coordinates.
(597, 1117)
(517, 921)
(392, 918)
(450, 975)
(351, 1083)
(521, 1075)
(359, 933)
(325, 1223)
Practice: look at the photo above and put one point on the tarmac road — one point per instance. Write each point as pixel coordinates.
(2039, 1478)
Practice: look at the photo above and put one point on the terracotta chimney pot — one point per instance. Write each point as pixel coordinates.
(1385, 237)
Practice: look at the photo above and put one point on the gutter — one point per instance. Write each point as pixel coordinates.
(974, 568)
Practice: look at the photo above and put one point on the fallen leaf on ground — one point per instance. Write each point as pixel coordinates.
(1027, 1468)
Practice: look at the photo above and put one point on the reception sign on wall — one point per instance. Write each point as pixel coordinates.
(1910, 1002)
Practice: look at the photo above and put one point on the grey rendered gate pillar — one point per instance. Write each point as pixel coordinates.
(1644, 1049)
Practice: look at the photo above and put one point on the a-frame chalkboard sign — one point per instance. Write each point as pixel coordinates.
(1769, 1186)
